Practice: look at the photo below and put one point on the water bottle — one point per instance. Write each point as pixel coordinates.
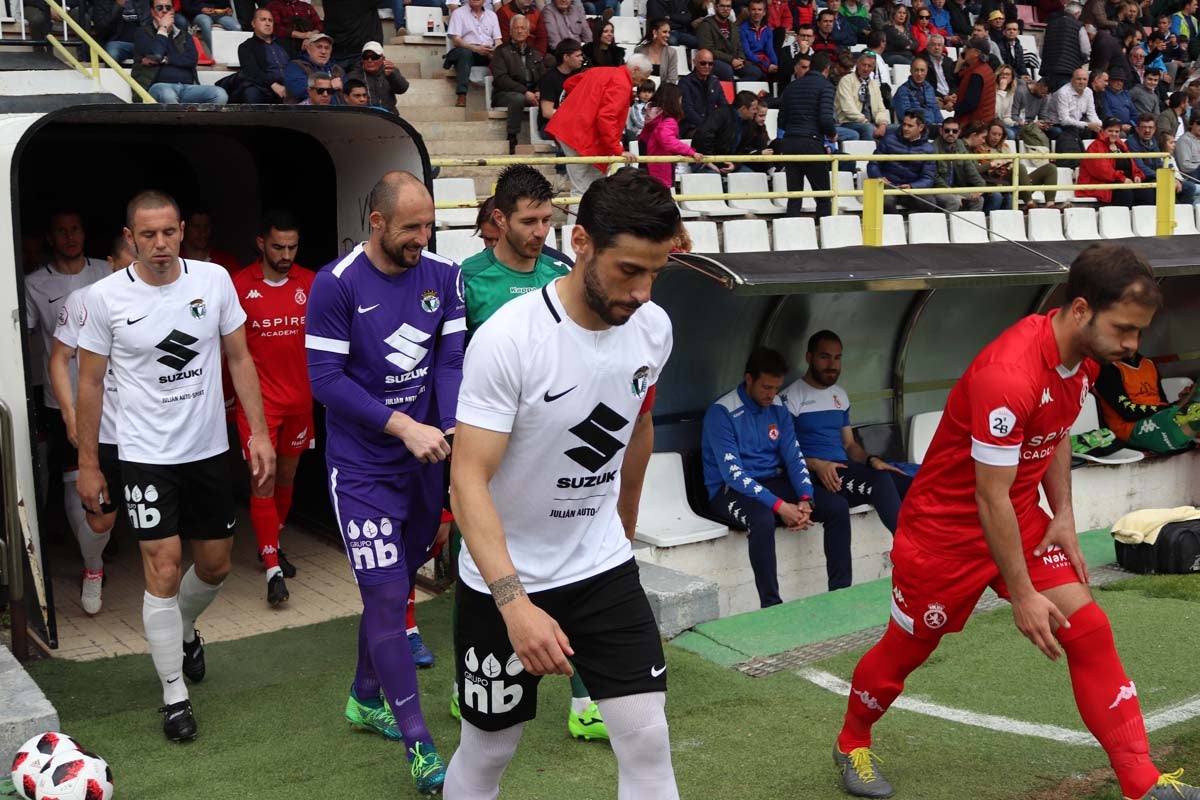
(429, 24)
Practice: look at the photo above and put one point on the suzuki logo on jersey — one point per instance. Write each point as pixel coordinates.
(407, 341)
(178, 353)
(142, 516)
(367, 550)
(483, 689)
(595, 432)
(408, 376)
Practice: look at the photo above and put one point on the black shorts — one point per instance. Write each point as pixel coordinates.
(61, 455)
(192, 500)
(618, 650)
(110, 468)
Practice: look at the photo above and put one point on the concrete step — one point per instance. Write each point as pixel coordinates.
(464, 132)
(679, 601)
(485, 177)
(429, 56)
(24, 710)
(476, 149)
(420, 112)
(430, 92)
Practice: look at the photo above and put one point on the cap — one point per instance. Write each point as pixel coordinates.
(995, 15)
(316, 37)
(373, 47)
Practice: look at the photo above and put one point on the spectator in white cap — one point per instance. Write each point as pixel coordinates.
(315, 58)
(383, 81)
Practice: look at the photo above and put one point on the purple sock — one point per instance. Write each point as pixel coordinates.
(366, 681)
(387, 642)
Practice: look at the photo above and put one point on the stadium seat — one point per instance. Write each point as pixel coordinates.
(225, 45)
(1171, 386)
(566, 241)
(747, 182)
(535, 136)
(859, 148)
(1007, 224)
(458, 244)
(753, 86)
(779, 184)
(681, 55)
(1045, 225)
(746, 236)
(962, 231)
(795, 233)
(627, 30)
(1114, 222)
(1089, 420)
(927, 228)
(920, 433)
(850, 202)
(772, 123)
(900, 73)
(552, 238)
(1080, 223)
(418, 22)
(451, 190)
(664, 517)
(704, 236)
(1033, 59)
(1185, 220)
(1065, 177)
(628, 8)
(1145, 221)
(706, 183)
(893, 230)
(841, 231)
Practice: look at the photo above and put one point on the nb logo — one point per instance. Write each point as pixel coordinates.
(595, 431)
(178, 353)
(484, 688)
(407, 341)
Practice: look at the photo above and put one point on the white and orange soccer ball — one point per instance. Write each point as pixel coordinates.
(78, 775)
(35, 754)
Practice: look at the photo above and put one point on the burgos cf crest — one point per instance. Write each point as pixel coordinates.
(640, 378)
(430, 301)
(198, 308)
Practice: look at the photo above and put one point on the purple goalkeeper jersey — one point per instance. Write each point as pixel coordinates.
(381, 343)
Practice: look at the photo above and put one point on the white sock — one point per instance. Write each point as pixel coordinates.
(194, 596)
(637, 732)
(160, 617)
(272, 572)
(91, 544)
(580, 704)
(475, 769)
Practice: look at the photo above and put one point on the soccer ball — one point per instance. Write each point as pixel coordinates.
(75, 776)
(35, 754)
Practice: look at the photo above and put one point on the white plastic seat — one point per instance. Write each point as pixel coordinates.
(452, 190)
(706, 183)
(840, 231)
(1089, 420)
(1114, 222)
(225, 45)
(1185, 220)
(627, 30)
(928, 228)
(746, 236)
(779, 184)
(681, 57)
(552, 238)
(1066, 176)
(1080, 223)
(664, 517)
(1173, 386)
(458, 244)
(746, 182)
(893, 230)
(772, 123)
(1045, 225)
(752, 86)
(535, 136)
(1007, 224)
(962, 231)
(417, 22)
(704, 236)
(567, 249)
(846, 184)
(900, 73)
(794, 233)
(1145, 221)
(859, 148)
(920, 433)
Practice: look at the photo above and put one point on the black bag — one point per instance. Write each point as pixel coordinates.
(1176, 551)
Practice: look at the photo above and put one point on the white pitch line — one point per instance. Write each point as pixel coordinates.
(1183, 712)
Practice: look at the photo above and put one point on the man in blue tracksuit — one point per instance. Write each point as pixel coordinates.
(754, 471)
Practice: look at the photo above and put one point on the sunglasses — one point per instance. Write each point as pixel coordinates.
(323, 90)
(924, 16)
(950, 130)
(371, 57)
(702, 63)
(164, 8)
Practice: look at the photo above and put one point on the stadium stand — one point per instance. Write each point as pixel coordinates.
(746, 236)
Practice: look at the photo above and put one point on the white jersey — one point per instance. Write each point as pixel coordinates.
(569, 398)
(164, 347)
(70, 323)
(46, 290)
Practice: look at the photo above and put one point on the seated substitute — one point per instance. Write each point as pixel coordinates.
(1139, 413)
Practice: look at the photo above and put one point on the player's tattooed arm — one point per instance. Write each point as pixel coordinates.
(505, 590)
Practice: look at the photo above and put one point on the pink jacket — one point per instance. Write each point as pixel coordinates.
(660, 137)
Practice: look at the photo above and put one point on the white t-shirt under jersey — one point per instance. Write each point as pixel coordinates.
(46, 289)
(569, 398)
(70, 323)
(164, 346)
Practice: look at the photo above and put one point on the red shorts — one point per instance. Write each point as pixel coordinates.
(290, 435)
(933, 595)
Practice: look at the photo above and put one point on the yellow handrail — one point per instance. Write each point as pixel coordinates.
(97, 51)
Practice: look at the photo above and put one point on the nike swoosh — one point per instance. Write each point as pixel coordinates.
(550, 398)
(56, 299)
(405, 700)
(173, 679)
(135, 321)
(655, 672)
(362, 310)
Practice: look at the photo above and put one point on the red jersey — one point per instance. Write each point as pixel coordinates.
(275, 317)
(1013, 406)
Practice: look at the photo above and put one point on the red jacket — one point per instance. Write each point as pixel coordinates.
(779, 14)
(1106, 170)
(591, 118)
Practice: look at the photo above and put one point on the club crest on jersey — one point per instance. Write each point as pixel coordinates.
(935, 617)
(837, 401)
(300, 297)
(1083, 393)
(640, 380)
(430, 301)
(772, 432)
(198, 308)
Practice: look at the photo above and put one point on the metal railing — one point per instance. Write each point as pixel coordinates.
(97, 54)
(874, 189)
(13, 545)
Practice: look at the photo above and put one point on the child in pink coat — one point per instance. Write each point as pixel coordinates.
(660, 134)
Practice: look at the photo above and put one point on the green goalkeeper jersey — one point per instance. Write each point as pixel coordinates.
(490, 284)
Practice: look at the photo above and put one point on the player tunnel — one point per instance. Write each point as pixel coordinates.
(233, 162)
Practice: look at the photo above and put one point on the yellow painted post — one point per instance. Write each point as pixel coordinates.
(833, 185)
(1016, 182)
(1164, 196)
(95, 64)
(872, 215)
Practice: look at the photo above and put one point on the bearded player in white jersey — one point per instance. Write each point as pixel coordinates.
(554, 435)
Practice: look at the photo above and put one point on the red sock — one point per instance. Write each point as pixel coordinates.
(410, 617)
(878, 681)
(283, 502)
(1107, 698)
(266, 529)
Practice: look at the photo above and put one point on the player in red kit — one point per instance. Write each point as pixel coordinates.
(972, 520)
(274, 293)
